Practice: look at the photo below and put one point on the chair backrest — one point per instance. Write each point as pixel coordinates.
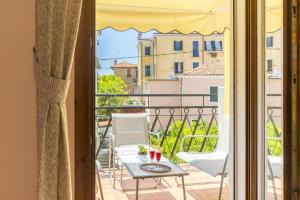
(223, 124)
(130, 128)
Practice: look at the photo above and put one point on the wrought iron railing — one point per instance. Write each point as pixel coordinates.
(274, 124)
(164, 117)
(177, 118)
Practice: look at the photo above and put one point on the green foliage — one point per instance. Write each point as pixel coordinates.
(274, 146)
(110, 84)
(196, 143)
(209, 146)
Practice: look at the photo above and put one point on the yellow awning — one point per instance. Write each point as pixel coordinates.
(185, 16)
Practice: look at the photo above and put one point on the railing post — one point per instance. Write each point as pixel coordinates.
(186, 112)
(172, 111)
(213, 117)
(157, 112)
(200, 111)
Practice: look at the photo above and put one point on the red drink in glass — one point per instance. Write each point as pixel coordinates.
(158, 155)
(151, 153)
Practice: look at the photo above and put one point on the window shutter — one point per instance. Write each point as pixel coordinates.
(195, 49)
(181, 67)
(175, 67)
(213, 45)
(214, 93)
(269, 41)
(270, 66)
(195, 65)
(174, 45)
(147, 51)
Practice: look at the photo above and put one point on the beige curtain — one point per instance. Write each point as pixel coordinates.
(56, 32)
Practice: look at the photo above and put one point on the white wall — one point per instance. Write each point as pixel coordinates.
(18, 156)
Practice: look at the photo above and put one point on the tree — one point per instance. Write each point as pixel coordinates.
(110, 84)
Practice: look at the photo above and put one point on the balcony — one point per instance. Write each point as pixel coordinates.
(174, 116)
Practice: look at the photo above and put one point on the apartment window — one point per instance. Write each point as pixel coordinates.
(269, 41)
(178, 67)
(213, 45)
(221, 45)
(147, 51)
(128, 72)
(213, 91)
(195, 49)
(148, 70)
(269, 65)
(178, 45)
(195, 65)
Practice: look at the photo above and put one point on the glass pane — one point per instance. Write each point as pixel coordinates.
(273, 99)
(171, 95)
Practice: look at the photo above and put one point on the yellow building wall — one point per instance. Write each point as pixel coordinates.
(144, 61)
(275, 53)
(165, 45)
(166, 56)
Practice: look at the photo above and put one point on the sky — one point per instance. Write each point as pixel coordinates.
(114, 44)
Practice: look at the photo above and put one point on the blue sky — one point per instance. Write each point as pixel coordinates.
(113, 44)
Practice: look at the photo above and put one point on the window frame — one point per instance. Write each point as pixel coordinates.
(147, 50)
(178, 45)
(213, 95)
(84, 101)
(180, 65)
(196, 52)
(128, 72)
(198, 65)
(269, 65)
(270, 42)
(147, 70)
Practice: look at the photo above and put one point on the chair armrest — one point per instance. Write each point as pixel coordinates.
(195, 136)
(156, 134)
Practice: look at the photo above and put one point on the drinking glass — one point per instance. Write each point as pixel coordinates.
(158, 156)
(151, 153)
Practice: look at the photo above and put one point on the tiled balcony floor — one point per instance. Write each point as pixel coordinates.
(199, 186)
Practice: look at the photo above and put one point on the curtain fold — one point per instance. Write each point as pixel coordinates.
(57, 24)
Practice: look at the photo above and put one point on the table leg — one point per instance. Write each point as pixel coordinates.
(183, 187)
(137, 189)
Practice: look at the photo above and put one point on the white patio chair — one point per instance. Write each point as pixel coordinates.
(216, 162)
(129, 130)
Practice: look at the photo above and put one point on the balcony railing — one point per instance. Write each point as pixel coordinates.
(173, 116)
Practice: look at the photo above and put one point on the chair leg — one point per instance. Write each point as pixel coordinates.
(223, 176)
(114, 170)
(100, 186)
(109, 162)
(273, 179)
(221, 186)
(121, 178)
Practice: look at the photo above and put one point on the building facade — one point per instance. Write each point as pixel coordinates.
(129, 73)
(145, 62)
(166, 56)
(274, 53)
(172, 54)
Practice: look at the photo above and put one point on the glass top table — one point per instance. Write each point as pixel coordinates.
(132, 163)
